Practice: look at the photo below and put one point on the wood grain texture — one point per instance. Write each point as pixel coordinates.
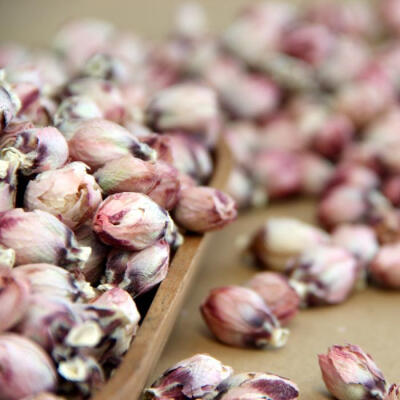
(132, 375)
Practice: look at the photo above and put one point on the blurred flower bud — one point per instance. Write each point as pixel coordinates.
(138, 272)
(191, 21)
(12, 54)
(385, 267)
(280, 239)
(192, 378)
(15, 291)
(349, 373)
(98, 141)
(69, 193)
(130, 221)
(324, 274)
(26, 368)
(51, 280)
(39, 237)
(239, 317)
(391, 189)
(7, 257)
(390, 12)
(279, 296)
(202, 209)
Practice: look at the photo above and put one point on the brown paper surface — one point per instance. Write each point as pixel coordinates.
(369, 318)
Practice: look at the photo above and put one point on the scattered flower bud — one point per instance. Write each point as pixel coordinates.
(324, 274)
(391, 189)
(69, 193)
(7, 257)
(39, 237)
(94, 266)
(385, 267)
(257, 385)
(98, 141)
(280, 239)
(26, 369)
(239, 317)
(15, 291)
(393, 393)
(192, 378)
(202, 209)
(51, 280)
(138, 272)
(130, 221)
(277, 293)
(349, 373)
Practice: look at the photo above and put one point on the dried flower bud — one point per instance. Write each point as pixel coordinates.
(138, 272)
(72, 111)
(9, 105)
(277, 293)
(315, 173)
(105, 94)
(94, 266)
(192, 378)
(69, 193)
(26, 368)
(349, 373)
(127, 174)
(385, 267)
(15, 291)
(202, 209)
(324, 274)
(191, 21)
(391, 189)
(393, 393)
(257, 385)
(280, 239)
(98, 141)
(51, 280)
(131, 221)
(36, 149)
(7, 257)
(239, 317)
(39, 237)
(278, 171)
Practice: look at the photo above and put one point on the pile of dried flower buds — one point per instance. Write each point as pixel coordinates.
(104, 161)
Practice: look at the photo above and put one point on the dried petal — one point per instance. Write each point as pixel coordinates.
(239, 317)
(385, 267)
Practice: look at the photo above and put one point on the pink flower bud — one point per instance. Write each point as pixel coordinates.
(105, 94)
(26, 368)
(315, 173)
(191, 21)
(202, 209)
(280, 239)
(98, 141)
(239, 317)
(275, 290)
(7, 257)
(349, 373)
(257, 385)
(138, 272)
(15, 291)
(50, 280)
(37, 149)
(278, 171)
(393, 393)
(192, 378)
(385, 267)
(130, 221)
(127, 174)
(39, 237)
(69, 193)
(324, 274)
(94, 266)
(391, 189)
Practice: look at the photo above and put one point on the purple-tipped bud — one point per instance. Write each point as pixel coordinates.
(276, 291)
(39, 237)
(351, 374)
(324, 274)
(202, 209)
(192, 378)
(26, 369)
(138, 272)
(98, 141)
(385, 267)
(280, 239)
(69, 193)
(239, 317)
(130, 221)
